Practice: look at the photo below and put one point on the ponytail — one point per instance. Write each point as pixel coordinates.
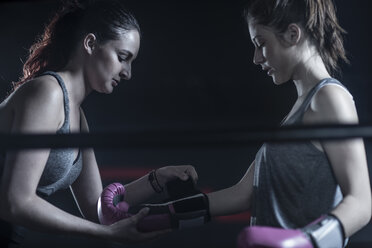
(53, 48)
(323, 26)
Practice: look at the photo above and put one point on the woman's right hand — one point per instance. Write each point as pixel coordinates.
(125, 231)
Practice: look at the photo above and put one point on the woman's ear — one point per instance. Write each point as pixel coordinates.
(90, 42)
(293, 34)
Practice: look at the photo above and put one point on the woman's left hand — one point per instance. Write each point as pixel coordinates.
(169, 173)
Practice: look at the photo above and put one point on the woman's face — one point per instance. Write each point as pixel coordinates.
(271, 53)
(111, 62)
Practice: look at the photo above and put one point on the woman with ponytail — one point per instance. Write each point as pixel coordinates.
(85, 47)
(314, 193)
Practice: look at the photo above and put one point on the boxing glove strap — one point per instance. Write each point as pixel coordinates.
(154, 182)
(191, 211)
(187, 223)
(186, 212)
(326, 232)
(178, 189)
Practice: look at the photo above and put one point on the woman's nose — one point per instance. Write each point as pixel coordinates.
(258, 57)
(125, 73)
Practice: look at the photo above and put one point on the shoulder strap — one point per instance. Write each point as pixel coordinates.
(65, 97)
(298, 116)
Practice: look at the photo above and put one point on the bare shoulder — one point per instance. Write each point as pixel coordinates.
(333, 104)
(44, 87)
(38, 101)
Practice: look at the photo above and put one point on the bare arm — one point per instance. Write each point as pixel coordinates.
(348, 159)
(237, 198)
(88, 186)
(36, 108)
(350, 168)
(140, 190)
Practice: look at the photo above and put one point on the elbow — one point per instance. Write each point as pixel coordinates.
(365, 211)
(369, 209)
(7, 207)
(369, 218)
(368, 214)
(3, 209)
(12, 208)
(366, 218)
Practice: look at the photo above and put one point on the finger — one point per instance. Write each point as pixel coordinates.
(140, 215)
(193, 174)
(184, 176)
(181, 172)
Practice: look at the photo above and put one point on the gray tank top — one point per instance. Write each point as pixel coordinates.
(61, 168)
(60, 171)
(293, 182)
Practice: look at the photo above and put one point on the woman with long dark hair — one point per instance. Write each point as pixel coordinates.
(303, 194)
(307, 194)
(85, 47)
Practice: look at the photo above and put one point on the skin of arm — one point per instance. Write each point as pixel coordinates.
(347, 157)
(235, 199)
(36, 107)
(88, 186)
(332, 104)
(140, 190)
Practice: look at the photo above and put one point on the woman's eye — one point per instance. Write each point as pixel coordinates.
(260, 45)
(123, 57)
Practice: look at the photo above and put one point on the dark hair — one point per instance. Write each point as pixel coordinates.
(107, 19)
(317, 17)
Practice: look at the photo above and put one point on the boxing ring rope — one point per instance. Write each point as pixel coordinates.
(180, 137)
(186, 137)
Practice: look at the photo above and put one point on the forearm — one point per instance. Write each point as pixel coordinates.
(354, 213)
(234, 199)
(139, 191)
(228, 201)
(155, 182)
(349, 164)
(87, 208)
(36, 213)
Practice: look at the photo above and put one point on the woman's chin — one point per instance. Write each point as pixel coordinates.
(107, 90)
(279, 81)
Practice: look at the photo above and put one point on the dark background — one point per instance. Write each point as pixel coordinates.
(194, 70)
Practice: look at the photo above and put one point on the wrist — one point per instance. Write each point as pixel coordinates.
(93, 230)
(326, 231)
(154, 182)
